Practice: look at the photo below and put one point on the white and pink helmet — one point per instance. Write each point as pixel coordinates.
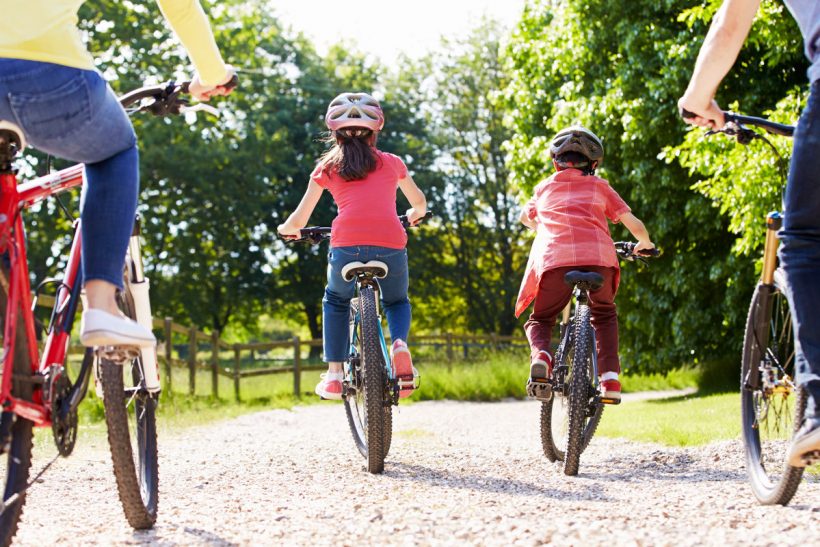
(354, 110)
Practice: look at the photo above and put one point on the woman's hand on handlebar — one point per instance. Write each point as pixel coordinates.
(202, 92)
(696, 112)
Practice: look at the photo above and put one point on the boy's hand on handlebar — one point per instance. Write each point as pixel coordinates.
(696, 112)
(643, 246)
(202, 92)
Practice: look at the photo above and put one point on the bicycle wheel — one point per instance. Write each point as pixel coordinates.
(580, 390)
(555, 413)
(771, 404)
(374, 380)
(130, 414)
(15, 432)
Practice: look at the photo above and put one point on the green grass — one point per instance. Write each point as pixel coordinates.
(677, 421)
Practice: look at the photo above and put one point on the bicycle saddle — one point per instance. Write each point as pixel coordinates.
(587, 280)
(375, 268)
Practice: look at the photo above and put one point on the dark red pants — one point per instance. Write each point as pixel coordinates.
(553, 296)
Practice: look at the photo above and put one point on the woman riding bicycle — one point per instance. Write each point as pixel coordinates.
(569, 213)
(800, 235)
(363, 182)
(51, 90)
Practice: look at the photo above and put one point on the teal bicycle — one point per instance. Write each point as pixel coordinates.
(370, 388)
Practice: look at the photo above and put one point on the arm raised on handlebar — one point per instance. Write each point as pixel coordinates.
(317, 234)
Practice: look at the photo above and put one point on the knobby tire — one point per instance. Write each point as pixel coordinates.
(773, 482)
(579, 386)
(374, 380)
(18, 458)
(137, 473)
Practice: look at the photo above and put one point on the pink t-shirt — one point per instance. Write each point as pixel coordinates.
(367, 207)
(571, 211)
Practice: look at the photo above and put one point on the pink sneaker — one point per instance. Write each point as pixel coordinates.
(403, 368)
(331, 386)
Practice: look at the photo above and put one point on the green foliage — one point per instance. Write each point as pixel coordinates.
(619, 67)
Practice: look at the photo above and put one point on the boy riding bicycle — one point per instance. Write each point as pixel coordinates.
(569, 213)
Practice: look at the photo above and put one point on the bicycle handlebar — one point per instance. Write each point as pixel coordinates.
(740, 120)
(166, 97)
(626, 251)
(316, 234)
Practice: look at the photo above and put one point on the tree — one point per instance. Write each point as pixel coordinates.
(627, 64)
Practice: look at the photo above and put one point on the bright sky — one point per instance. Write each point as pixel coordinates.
(386, 28)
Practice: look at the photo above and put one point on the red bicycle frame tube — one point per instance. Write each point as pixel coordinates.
(13, 199)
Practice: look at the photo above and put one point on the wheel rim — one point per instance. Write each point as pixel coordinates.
(771, 408)
(140, 407)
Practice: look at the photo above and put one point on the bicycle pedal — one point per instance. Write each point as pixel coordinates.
(610, 401)
(118, 354)
(539, 389)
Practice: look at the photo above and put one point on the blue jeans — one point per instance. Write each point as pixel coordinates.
(73, 114)
(800, 248)
(336, 303)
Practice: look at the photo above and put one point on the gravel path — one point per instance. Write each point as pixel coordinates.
(458, 473)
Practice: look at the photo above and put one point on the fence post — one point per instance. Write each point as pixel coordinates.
(464, 346)
(192, 347)
(236, 365)
(450, 355)
(215, 364)
(493, 341)
(169, 347)
(297, 368)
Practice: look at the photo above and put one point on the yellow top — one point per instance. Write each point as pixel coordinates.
(46, 30)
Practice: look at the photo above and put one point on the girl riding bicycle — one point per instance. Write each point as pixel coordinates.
(363, 182)
(569, 213)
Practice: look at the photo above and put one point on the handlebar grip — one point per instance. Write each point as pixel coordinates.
(232, 83)
(649, 252)
(686, 115)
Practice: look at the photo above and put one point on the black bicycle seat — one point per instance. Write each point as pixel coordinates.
(587, 280)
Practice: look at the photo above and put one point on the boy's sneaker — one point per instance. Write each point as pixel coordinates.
(539, 386)
(805, 448)
(541, 367)
(331, 386)
(611, 388)
(403, 368)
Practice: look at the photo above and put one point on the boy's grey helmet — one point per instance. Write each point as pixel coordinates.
(577, 139)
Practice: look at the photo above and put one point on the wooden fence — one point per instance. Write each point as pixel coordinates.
(202, 352)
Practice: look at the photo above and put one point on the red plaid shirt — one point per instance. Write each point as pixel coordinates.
(571, 211)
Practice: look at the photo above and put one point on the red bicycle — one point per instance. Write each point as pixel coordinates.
(36, 389)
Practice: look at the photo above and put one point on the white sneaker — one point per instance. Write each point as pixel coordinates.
(100, 328)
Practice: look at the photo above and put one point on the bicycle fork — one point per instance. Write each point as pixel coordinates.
(142, 308)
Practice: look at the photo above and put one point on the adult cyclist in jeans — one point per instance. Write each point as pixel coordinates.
(50, 89)
(800, 236)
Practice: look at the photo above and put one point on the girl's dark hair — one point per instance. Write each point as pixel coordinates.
(352, 153)
(576, 160)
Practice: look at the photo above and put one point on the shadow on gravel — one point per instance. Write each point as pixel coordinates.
(662, 466)
(493, 485)
(203, 537)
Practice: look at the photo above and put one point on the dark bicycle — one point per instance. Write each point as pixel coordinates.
(772, 404)
(370, 387)
(572, 401)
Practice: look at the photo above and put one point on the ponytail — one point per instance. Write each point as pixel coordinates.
(352, 154)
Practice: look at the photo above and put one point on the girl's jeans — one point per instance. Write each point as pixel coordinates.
(800, 249)
(73, 114)
(336, 303)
